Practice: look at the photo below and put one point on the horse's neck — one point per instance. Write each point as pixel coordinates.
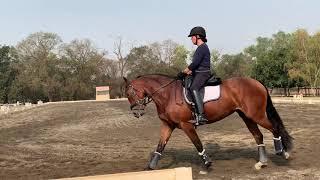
(158, 93)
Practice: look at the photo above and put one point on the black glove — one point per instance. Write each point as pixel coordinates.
(181, 75)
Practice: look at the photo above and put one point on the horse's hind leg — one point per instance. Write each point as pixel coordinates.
(253, 128)
(278, 144)
(190, 131)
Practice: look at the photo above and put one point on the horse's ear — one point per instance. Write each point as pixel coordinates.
(125, 80)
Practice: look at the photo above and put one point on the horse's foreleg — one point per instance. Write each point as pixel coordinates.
(165, 133)
(189, 129)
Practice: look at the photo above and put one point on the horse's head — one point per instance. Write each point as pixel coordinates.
(137, 97)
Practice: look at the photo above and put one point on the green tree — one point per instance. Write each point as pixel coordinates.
(165, 58)
(7, 72)
(232, 66)
(305, 58)
(177, 61)
(215, 59)
(270, 56)
(179, 58)
(142, 61)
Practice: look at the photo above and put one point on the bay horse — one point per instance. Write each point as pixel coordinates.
(246, 96)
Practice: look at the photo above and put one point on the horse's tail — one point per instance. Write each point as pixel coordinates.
(277, 124)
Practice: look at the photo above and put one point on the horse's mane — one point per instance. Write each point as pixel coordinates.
(162, 75)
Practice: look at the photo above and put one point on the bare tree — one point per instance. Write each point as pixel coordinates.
(111, 68)
(84, 68)
(164, 51)
(119, 52)
(38, 68)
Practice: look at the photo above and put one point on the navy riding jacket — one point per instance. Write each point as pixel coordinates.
(201, 59)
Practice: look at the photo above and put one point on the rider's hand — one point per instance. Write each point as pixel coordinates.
(187, 71)
(181, 75)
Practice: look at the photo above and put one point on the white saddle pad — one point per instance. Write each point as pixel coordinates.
(211, 93)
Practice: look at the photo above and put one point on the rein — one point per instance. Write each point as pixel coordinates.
(162, 87)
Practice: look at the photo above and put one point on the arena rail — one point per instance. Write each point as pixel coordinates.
(297, 100)
(182, 173)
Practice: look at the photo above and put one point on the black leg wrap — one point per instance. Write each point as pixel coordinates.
(154, 160)
(262, 153)
(205, 159)
(278, 147)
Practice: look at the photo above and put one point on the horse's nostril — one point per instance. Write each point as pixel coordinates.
(136, 115)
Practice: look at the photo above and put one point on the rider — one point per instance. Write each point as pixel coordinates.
(199, 69)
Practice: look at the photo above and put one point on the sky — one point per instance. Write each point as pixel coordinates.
(231, 25)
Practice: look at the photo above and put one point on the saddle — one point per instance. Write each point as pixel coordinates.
(210, 92)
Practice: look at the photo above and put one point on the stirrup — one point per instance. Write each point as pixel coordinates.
(199, 121)
(195, 123)
(192, 121)
(203, 121)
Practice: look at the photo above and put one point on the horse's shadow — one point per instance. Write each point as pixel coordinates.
(173, 157)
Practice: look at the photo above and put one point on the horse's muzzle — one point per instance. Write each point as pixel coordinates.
(138, 114)
(138, 110)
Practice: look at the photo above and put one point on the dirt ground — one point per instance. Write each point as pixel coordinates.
(94, 138)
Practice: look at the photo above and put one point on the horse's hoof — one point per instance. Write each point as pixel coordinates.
(285, 155)
(259, 165)
(203, 172)
(207, 164)
(148, 169)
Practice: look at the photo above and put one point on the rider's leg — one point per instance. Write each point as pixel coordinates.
(199, 82)
(199, 106)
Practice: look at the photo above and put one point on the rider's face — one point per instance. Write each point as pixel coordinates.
(194, 40)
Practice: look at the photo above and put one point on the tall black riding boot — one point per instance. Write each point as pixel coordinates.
(200, 117)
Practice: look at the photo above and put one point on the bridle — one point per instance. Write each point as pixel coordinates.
(141, 102)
